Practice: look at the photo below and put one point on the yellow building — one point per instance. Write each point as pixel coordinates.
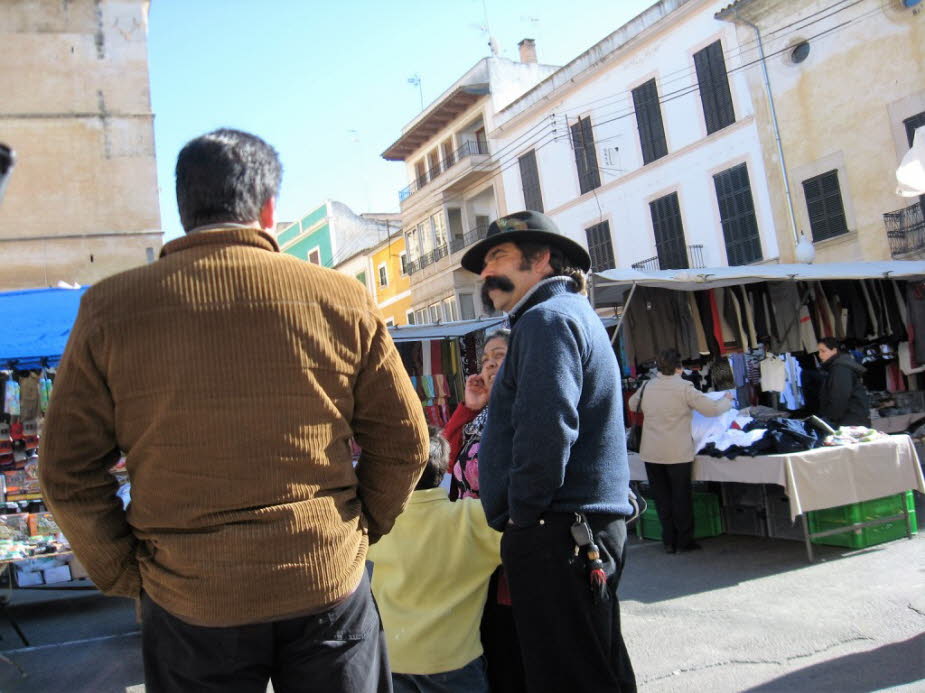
(391, 283)
(847, 82)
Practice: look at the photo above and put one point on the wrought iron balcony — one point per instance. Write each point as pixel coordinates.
(428, 258)
(468, 238)
(468, 148)
(905, 229)
(694, 261)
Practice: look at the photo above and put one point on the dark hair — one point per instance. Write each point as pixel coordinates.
(437, 461)
(668, 361)
(225, 176)
(829, 343)
(561, 265)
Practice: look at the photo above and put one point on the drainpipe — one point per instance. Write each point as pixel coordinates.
(797, 238)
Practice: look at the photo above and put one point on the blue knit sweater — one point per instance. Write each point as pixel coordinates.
(554, 439)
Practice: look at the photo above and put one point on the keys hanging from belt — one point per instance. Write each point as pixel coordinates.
(584, 540)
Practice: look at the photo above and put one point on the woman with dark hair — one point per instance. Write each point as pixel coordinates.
(464, 429)
(843, 399)
(667, 446)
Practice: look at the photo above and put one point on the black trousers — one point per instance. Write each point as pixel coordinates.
(670, 485)
(500, 643)
(340, 650)
(570, 640)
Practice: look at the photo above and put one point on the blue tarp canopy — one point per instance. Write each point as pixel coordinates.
(35, 325)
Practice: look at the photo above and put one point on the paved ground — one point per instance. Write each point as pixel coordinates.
(744, 614)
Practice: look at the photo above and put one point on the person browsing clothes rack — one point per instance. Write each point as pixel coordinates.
(667, 446)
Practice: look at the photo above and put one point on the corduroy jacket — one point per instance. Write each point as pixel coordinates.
(232, 377)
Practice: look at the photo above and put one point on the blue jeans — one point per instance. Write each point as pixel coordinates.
(469, 679)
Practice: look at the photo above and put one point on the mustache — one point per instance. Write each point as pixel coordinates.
(500, 283)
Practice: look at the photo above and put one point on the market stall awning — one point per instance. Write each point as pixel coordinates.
(610, 285)
(36, 325)
(460, 328)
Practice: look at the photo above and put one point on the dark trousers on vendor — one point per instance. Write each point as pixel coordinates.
(670, 486)
(341, 650)
(569, 633)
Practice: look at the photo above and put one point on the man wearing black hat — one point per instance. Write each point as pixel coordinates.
(553, 472)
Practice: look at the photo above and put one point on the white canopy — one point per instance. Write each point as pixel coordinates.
(715, 277)
(437, 330)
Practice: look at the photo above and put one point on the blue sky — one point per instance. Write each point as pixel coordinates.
(327, 83)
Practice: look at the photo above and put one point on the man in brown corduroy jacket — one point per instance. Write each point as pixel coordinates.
(232, 377)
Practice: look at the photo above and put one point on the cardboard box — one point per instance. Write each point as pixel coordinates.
(27, 578)
(61, 573)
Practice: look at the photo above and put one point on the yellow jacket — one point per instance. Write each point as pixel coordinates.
(430, 578)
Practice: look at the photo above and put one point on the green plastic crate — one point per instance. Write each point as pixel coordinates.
(708, 520)
(832, 518)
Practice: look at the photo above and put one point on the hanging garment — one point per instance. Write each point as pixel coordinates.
(825, 317)
(436, 356)
(702, 347)
(792, 395)
(749, 318)
(905, 363)
(900, 299)
(737, 361)
(785, 302)
(29, 396)
(897, 331)
(773, 374)
(895, 382)
(808, 340)
(873, 326)
(838, 312)
(915, 306)
(686, 335)
(706, 303)
(651, 316)
(856, 320)
(733, 313)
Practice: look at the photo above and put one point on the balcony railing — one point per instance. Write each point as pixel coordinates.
(694, 260)
(468, 148)
(905, 229)
(428, 258)
(441, 251)
(468, 238)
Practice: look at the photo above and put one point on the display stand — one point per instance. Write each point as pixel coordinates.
(822, 478)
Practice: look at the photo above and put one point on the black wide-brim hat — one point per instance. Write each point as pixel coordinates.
(527, 226)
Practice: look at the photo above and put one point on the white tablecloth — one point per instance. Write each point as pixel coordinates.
(820, 478)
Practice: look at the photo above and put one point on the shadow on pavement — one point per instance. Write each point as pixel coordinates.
(874, 670)
(653, 576)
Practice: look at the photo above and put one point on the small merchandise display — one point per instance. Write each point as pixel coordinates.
(27, 530)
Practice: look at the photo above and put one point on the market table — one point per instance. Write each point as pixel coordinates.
(822, 478)
(6, 566)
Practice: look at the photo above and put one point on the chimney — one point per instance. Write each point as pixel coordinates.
(527, 50)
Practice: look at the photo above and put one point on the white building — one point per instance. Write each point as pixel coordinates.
(453, 189)
(645, 148)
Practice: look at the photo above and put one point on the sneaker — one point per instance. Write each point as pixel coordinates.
(693, 546)
(670, 549)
